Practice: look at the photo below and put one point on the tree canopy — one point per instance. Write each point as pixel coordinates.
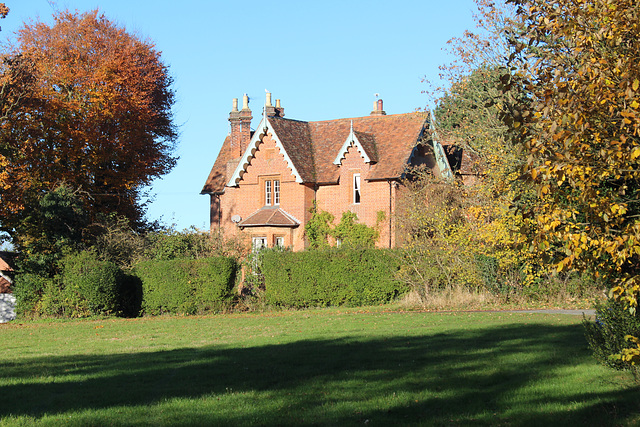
(580, 63)
(87, 105)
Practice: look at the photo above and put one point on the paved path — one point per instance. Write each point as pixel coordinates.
(586, 311)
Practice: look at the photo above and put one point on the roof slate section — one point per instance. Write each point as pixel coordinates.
(313, 146)
(391, 138)
(6, 259)
(368, 143)
(296, 140)
(218, 176)
(269, 216)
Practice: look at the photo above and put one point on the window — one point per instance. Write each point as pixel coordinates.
(276, 191)
(267, 192)
(259, 243)
(271, 191)
(356, 188)
(279, 242)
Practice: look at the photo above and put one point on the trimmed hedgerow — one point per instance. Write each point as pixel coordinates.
(186, 286)
(90, 286)
(349, 277)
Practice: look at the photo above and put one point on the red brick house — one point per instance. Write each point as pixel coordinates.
(264, 182)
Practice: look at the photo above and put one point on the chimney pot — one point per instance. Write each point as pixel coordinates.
(235, 104)
(377, 108)
(277, 103)
(245, 102)
(268, 99)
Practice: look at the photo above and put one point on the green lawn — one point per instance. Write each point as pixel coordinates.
(319, 367)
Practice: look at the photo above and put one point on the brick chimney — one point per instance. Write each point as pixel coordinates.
(240, 127)
(272, 111)
(377, 108)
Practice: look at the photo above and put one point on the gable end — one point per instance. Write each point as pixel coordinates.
(264, 128)
(364, 143)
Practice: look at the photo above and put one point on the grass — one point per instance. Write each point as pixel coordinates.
(318, 367)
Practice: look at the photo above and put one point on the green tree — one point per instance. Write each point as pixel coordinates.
(53, 227)
(580, 63)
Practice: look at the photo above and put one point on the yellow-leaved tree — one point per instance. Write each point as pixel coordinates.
(579, 61)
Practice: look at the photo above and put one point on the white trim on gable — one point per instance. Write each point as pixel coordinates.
(263, 129)
(351, 139)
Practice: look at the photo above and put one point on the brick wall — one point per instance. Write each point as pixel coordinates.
(248, 197)
(337, 199)
(297, 199)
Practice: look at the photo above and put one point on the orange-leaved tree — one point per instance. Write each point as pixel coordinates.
(87, 105)
(581, 128)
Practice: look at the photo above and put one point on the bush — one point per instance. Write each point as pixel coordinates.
(91, 286)
(184, 286)
(28, 289)
(606, 335)
(351, 277)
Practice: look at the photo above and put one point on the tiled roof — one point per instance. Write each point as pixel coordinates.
(393, 137)
(218, 175)
(5, 286)
(5, 259)
(368, 142)
(269, 216)
(296, 140)
(312, 146)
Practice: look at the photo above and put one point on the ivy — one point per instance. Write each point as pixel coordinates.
(348, 232)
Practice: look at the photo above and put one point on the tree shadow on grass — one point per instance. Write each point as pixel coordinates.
(481, 377)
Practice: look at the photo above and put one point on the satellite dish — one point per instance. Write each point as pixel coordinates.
(236, 218)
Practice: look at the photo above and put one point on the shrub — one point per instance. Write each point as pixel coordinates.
(606, 336)
(183, 286)
(91, 286)
(351, 277)
(28, 289)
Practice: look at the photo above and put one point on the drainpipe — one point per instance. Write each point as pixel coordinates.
(219, 211)
(390, 195)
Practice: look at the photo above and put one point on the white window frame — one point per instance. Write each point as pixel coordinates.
(357, 189)
(267, 192)
(258, 243)
(278, 242)
(276, 191)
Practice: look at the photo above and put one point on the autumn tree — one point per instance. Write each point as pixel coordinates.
(484, 226)
(580, 62)
(86, 105)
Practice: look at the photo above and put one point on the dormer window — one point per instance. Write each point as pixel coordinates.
(356, 188)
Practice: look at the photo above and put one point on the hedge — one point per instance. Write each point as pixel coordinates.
(91, 286)
(350, 277)
(186, 286)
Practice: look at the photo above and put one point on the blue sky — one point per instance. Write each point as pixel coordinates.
(324, 60)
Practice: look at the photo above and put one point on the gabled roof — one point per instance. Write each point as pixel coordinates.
(6, 259)
(364, 143)
(270, 216)
(286, 144)
(310, 148)
(217, 177)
